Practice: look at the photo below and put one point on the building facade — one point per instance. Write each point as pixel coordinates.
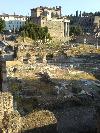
(13, 22)
(46, 12)
(58, 26)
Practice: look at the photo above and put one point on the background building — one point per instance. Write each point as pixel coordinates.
(13, 22)
(58, 26)
(45, 11)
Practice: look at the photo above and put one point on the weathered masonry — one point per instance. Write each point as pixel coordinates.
(58, 26)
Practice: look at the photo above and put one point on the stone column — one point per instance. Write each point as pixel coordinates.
(68, 29)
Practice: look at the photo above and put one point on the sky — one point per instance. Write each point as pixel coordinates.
(22, 7)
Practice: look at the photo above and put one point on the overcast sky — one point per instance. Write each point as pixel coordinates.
(68, 6)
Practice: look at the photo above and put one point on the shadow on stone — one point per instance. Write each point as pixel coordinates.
(45, 129)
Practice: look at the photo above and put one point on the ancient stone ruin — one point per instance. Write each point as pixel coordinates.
(10, 119)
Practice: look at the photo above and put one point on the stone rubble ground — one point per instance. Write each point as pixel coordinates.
(44, 117)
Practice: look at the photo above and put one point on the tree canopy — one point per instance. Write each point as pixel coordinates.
(75, 30)
(2, 24)
(34, 31)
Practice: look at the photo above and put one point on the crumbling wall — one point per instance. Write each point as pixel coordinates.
(39, 121)
(56, 29)
(14, 124)
(6, 104)
(10, 120)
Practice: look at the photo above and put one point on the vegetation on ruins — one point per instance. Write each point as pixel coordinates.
(34, 31)
(2, 24)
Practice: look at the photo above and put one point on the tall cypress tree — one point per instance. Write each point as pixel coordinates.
(2, 24)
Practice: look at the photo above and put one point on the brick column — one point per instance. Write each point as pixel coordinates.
(4, 76)
(1, 74)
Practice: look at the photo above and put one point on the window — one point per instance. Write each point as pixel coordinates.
(10, 22)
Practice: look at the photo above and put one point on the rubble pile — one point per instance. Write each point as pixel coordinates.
(12, 122)
(82, 49)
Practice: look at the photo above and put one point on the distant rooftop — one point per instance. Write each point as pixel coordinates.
(49, 8)
(14, 15)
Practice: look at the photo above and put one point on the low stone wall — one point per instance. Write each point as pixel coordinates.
(38, 120)
(11, 121)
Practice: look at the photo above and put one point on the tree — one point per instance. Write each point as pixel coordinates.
(75, 30)
(2, 24)
(34, 31)
(78, 30)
